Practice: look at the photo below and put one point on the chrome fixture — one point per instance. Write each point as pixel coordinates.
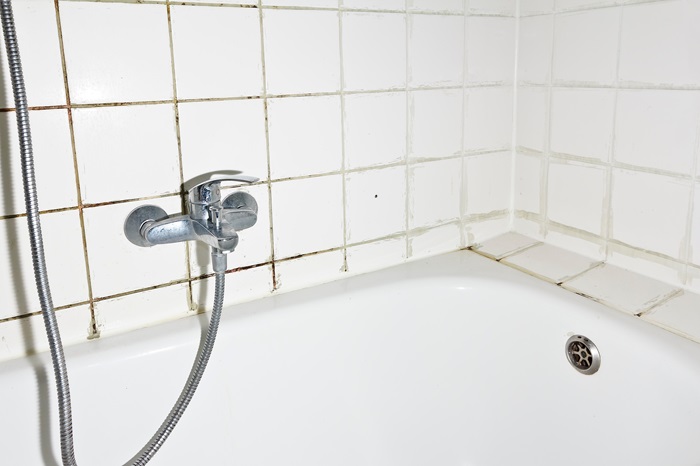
(210, 220)
(583, 354)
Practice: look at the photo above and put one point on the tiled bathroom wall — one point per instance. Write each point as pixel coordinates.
(381, 131)
(608, 131)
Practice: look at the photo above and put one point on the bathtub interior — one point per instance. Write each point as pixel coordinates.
(453, 360)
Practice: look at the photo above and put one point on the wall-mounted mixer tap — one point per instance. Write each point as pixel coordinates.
(210, 220)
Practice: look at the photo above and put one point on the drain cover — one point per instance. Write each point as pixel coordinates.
(583, 354)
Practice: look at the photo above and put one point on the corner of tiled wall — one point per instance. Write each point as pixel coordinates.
(381, 132)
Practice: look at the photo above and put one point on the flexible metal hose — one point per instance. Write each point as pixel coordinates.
(42, 281)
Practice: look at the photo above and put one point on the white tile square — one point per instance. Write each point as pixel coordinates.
(37, 37)
(534, 7)
(305, 136)
(309, 271)
(377, 255)
(488, 121)
(583, 57)
(241, 286)
(374, 51)
(228, 135)
(376, 203)
(435, 123)
(453, 6)
(483, 229)
(307, 3)
(564, 5)
(657, 129)
(488, 179)
(532, 117)
(694, 253)
(375, 129)
(582, 122)
(586, 245)
(490, 49)
(397, 5)
(253, 243)
(434, 241)
(680, 314)
(535, 49)
(114, 167)
(576, 194)
(65, 262)
(550, 263)
(435, 50)
(226, 61)
(307, 215)
(504, 245)
(666, 270)
(619, 288)
(144, 309)
(528, 173)
(434, 190)
(116, 265)
(650, 211)
(53, 162)
(302, 52)
(492, 7)
(106, 65)
(660, 43)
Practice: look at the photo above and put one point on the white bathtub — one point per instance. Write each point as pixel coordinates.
(456, 360)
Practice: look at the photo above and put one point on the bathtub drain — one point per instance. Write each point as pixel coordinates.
(583, 354)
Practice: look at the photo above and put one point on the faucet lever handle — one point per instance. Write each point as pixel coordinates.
(204, 190)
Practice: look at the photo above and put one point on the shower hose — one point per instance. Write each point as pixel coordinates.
(42, 282)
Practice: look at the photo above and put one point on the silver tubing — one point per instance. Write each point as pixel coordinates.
(42, 281)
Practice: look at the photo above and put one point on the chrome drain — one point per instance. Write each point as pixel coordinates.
(583, 354)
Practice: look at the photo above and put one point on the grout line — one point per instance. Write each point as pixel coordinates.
(544, 169)
(93, 329)
(664, 300)
(342, 137)
(463, 191)
(407, 151)
(514, 134)
(688, 244)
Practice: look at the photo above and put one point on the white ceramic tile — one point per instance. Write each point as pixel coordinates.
(106, 65)
(488, 179)
(435, 50)
(534, 7)
(22, 337)
(494, 7)
(660, 42)
(436, 5)
(375, 129)
(376, 203)
(227, 2)
(693, 280)
(434, 189)
(225, 61)
(253, 243)
(657, 129)
(308, 3)
(576, 194)
(481, 230)
(528, 172)
(535, 49)
(375, 5)
(550, 262)
(116, 265)
(305, 136)
(529, 226)
(302, 52)
(437, 240)
(680, 314)
(504, 245)
(666, 270)
(143, 309)
(582, 122)
(65, 262)
(650, 211)
(694, 253)
(309, 271)
(586, 245)
(126, 152)
(532, 117)
(307, 215)
(489, 118)
(435, 123)
(377, 255)
(240, 286)
(227, 135)
(564, 5)
(581, 56)
(374, 51)
(53, 162)
(620, 288)
(37, 38)
(490, 49)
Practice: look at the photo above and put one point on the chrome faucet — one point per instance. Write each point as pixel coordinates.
(210, 220)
